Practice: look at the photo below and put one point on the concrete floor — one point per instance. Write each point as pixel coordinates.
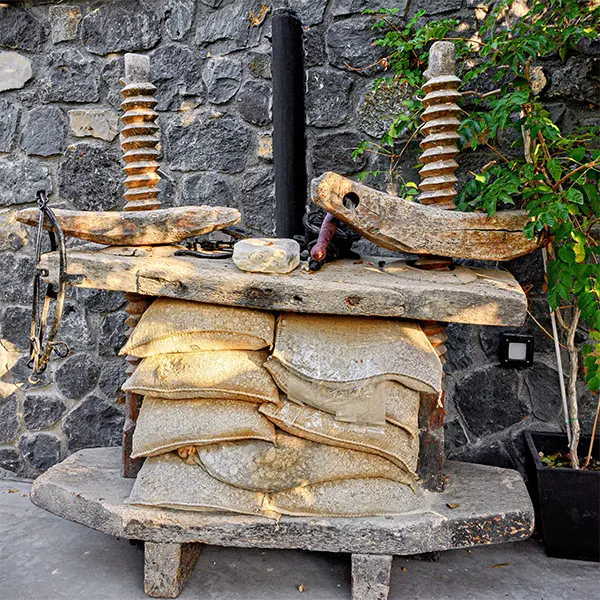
(43, 557)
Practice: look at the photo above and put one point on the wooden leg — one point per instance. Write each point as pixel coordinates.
(371, 576)
(167, 568)
(431, 442)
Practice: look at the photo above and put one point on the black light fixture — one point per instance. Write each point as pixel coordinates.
(516, 350)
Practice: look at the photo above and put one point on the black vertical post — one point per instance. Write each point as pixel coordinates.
(289, 148)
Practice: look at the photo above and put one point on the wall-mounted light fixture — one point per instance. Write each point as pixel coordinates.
(516, 350)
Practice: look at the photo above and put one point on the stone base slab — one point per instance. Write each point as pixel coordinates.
(491, 506)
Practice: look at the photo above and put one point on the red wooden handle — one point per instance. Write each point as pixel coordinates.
(328, 229)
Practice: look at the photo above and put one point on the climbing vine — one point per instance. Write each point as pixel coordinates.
(553, 173)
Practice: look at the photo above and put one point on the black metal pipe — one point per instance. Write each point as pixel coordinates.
(289, 146)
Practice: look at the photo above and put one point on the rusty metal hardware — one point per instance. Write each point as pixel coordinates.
(215, 248)
(208, 249)
(43, 340)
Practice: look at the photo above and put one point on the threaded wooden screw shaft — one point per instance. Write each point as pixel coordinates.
(139, 136)
(441, 123)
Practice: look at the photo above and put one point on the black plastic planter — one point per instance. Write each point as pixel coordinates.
(567, 501)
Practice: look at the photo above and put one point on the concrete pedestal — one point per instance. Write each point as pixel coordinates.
(491, 506)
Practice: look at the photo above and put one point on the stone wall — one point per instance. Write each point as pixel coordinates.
(60, 64)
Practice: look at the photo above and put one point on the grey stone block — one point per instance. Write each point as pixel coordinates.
(175, 70)
(9, 118)
(93, 422)
(207, 141)
(13, 235)
(43, 131)
(101, 301)
(112, 378)
(94, 122)
(20, 30)
(544, 390)
(349, 45)
(328, 101)
(15, 323)
(226, 29)
(314, 47)
(40, 450)
(11, 460)
(15, 70)
(492, 387)
(349, 7)
(223, 77)
(454, 435)
(259, 65)
(206, 188)
(371, 576)
(63, 22)
(20, 373)
(577, 79)
(21, 179)
(254, 101)
(265, 147)
(484, 452)
(463, 349)
(180, 15)
(74, 328)
(120, 26)
(333, 152)
(309, 12)
(435, 7)
(112, 334)
(72, 76)
(9, 418)
(77, 376)
(167, 568)
(14, 269)
(90, 177)
(112, 72)
(42, 410)
(258, 200)
(379, 107)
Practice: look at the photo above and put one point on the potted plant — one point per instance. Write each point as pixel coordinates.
(554, 174)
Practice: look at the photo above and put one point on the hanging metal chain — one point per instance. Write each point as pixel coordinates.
(42, 342)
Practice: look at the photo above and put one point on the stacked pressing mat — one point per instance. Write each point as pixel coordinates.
(338, 438)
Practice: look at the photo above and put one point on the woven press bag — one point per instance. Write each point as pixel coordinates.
(390, 442)
(165, 425)
(225, 375)
(166, 481)
(170, 325)
(340, 350)
(348, 498)
(291, 462)
(367, 403)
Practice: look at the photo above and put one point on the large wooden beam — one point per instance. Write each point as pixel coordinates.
(397, 224)
(374, 287)
(140, 227)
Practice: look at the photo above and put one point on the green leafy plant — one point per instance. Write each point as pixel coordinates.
(554, 174)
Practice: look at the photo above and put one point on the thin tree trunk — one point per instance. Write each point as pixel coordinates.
(591, 449)
(572, 394)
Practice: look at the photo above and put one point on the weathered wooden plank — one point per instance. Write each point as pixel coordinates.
(138, 227)
(431, 442)
(375, 287)
(397, 224)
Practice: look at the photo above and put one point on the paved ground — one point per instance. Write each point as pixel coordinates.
(43, 557)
